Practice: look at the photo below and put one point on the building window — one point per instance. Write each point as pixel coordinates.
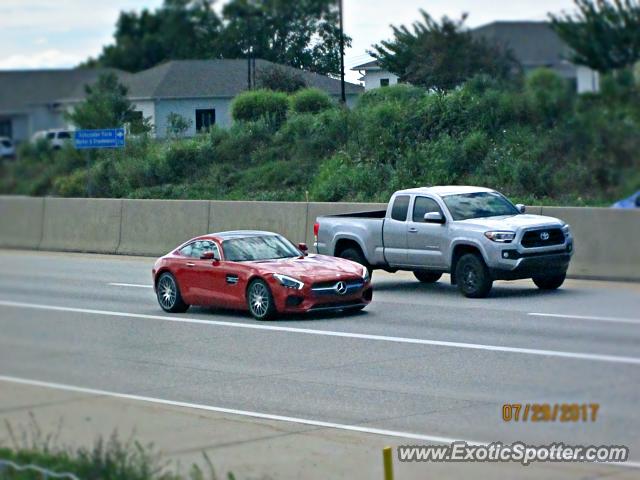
(205, 119)
(5, 128)
(384, 82)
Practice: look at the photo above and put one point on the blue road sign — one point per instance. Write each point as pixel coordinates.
(107, 138)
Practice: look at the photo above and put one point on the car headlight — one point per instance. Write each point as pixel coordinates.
(289, 282)
(365, 274)
(566, 230)
(500, 236)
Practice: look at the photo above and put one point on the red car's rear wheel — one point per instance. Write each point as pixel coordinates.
(168, 294)
(260, 300)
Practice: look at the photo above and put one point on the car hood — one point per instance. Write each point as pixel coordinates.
(311, 268)
(512, 222)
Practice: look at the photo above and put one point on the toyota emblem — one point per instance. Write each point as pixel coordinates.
(341, 288)
(544, 236)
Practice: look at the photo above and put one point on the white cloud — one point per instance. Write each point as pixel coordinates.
(50, 58)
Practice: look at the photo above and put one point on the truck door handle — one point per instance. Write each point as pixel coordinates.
(189, 264)
(413, 230)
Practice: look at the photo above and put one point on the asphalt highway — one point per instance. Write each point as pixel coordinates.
(421, 364)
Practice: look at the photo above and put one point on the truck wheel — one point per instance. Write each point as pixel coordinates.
(473, 277)
(426, 276)
(552, 282)
(355, 255)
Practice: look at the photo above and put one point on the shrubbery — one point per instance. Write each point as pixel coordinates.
(255, 105)
(538, 142)
(311, 100)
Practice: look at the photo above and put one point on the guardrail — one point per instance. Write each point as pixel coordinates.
(43, 472)
(606, 239)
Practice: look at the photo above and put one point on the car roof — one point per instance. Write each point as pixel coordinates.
(447, 190)
(233, 234)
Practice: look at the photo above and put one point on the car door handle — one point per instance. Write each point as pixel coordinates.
(189, 264)
(413, 230)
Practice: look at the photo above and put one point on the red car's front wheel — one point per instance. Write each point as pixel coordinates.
(260, 300)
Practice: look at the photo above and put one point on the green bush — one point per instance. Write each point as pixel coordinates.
(311, 100)
(255, 105)
(537, 141)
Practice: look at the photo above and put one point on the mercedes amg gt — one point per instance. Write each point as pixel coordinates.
(261, 272)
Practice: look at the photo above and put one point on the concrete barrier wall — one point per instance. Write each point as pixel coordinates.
(606, 239)
(154, 227)
(21, 220)
(81, 225)
(287, 218)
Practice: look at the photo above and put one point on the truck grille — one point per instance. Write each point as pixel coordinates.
(543, 237)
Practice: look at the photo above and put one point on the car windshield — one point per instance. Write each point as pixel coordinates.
(263, 247)
(479, 205)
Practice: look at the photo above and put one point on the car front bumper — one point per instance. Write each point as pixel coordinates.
(306, 300)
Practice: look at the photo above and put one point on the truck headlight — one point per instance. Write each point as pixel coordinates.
(289, 282)
(500, 236)
(566, 230)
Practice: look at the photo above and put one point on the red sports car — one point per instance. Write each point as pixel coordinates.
(259, 271)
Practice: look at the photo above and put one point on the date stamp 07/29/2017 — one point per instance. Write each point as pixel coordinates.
(550, 412)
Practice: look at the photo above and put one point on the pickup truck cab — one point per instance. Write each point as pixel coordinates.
(475, 234)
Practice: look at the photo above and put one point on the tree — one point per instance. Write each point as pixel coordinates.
(441, 55)
(179, 29)
(604, 35)
(280, 79)
(301, 33)
(177, 125)
(107, 106)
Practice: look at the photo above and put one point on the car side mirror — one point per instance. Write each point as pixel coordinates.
(303, 248)
(521, 208)
(208, 255)
(434, 217)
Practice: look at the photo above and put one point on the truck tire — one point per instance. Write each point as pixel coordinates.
(551, 282)
(425, 276)
(473, 276)
(355, 255)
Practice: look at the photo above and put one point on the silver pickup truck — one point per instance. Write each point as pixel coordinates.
(473, 233)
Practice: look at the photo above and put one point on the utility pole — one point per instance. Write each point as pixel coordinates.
(342, 90)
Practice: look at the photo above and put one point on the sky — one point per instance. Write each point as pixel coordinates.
(62, 33)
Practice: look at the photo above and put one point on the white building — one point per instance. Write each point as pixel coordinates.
(201, 91)
(533, 44)
(374, 76)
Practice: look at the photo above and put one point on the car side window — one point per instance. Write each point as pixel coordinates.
(197, 248)
(424, 205)
(400, 208)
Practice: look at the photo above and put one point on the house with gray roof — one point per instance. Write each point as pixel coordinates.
(199, 90)
(533, 44)
(31, 100)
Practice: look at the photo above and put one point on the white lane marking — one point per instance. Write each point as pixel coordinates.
(330, 333)
(233, 411)
(634, 321)
(264, 416)
(134, 285)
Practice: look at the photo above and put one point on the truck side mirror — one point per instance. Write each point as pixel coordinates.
(303, 248)
(521, 208)
(434, 217)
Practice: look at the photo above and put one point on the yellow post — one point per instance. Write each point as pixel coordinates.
(387, 460)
